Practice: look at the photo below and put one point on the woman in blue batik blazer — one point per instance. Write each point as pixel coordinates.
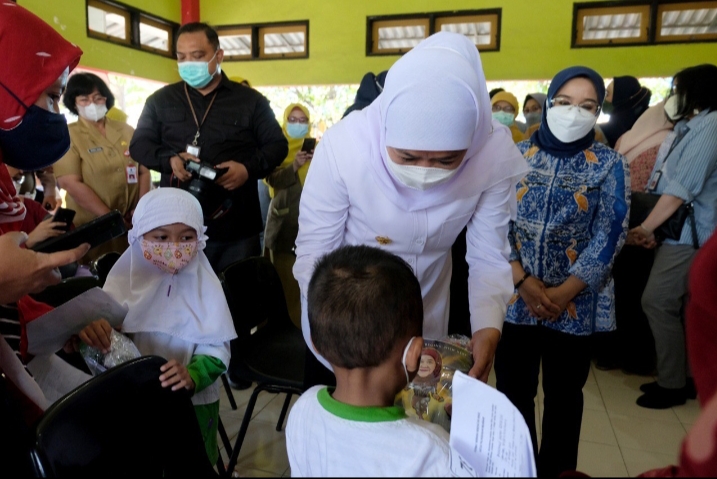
(571, 223)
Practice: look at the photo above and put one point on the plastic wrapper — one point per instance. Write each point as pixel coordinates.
(122, 349)
(427, 396)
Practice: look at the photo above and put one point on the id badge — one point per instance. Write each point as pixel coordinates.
(654, 181)
(131, 172)
(193, 150)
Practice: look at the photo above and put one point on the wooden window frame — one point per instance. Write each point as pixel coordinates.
(434, 21)
(492, 18)
(257, 39)
(110, 8)
(396, 22)
(612, 8)
(293, 28)
(162, 26)
(134, 17)
(238, 31)
(681, 6)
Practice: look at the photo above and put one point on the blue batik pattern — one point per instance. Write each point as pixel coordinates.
(572, 220)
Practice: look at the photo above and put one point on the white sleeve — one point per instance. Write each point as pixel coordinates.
(323, 211)
(490, 280)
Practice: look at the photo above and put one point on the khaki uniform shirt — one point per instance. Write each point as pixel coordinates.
(102, 164)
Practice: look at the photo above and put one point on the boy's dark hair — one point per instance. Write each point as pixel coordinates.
(201, 27)
(697, 87)
(362, 302)
(84, 84)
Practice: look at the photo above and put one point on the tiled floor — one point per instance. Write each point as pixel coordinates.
(618, 438)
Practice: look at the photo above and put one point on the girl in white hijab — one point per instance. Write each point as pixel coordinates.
(408, 173)
(176, 306)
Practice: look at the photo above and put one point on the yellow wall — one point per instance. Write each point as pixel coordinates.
(535, 41)
(69, 18)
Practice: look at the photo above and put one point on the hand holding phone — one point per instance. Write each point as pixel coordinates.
(65, 216)
(96, 232)
(309, 145)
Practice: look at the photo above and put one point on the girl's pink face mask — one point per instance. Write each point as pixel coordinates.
(169, 257)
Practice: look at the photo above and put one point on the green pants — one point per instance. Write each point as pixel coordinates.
(208, 417)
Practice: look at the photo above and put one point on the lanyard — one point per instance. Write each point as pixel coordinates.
(194, 114)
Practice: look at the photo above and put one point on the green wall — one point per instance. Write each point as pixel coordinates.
(69, 18)
(535, 41)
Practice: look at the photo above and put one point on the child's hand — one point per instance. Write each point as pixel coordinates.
(176, 375)
(97, 335)
(46, 229)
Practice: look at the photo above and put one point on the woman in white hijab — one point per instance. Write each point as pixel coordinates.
(408, 173)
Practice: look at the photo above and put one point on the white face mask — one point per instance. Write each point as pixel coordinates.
(92, 112)
(569, 123)
(671, 106)
(419, 177)
(403, 359)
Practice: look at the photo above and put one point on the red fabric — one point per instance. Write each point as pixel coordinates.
(12, 211)
(34, 55)
(35, 214)
(29, 310)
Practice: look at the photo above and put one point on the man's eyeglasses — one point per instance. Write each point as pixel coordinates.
(587, 108)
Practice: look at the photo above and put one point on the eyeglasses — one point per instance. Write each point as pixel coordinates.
(293, 119)
(506, 108)
(587, 108)
(534, 109)
(85, 100)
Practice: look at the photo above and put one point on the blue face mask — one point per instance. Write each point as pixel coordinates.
(297, 130)
(38, 141)
(196, 74)
(504, 117)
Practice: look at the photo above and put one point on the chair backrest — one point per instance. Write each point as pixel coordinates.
(122, 423)
(101, 266)
(255, 295)
(66, 290)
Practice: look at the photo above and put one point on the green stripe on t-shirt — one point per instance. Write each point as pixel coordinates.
(359, 413)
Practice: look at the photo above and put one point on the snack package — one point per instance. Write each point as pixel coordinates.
(122, 349)
(427, 396)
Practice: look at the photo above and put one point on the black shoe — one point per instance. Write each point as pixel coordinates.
(662, 398)
(604, 364)
(239, 384)
(649, 387)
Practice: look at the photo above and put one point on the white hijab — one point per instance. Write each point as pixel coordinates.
(189, 305)
(435, 99)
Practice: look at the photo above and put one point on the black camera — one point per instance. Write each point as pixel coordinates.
(203, 170)
(214, 199)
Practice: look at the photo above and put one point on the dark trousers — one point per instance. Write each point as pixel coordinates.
(566, 365)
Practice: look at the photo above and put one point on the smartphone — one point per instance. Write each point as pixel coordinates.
(63, 215)
(98, 231)
(309, 145)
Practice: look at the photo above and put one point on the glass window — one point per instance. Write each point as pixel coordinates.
(288, 41)
(480, 29)
(236, 43)
(398, 36)
(685, 22)
(154, 35)
(612, 25)
(108, 21)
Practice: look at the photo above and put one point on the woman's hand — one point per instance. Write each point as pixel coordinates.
(98, 335)
(176, 375)
(562, 295)
(640, 236)
(539, 304)
(301, 158)
(46, 229)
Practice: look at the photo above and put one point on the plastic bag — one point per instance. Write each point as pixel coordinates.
(427, 396)
(122, 349)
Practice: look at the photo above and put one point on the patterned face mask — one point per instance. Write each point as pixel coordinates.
(169, 257)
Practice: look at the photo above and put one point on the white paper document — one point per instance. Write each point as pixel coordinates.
(56, 377)
(47, 334)
(489, 437)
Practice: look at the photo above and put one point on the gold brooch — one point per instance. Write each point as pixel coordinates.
(384, 240)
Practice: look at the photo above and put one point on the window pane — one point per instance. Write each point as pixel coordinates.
(478, 32)
(692, 21)
(108, 23)
(153, 37)
(236, 44)
(608, 27)
(400, 37)
(279, 43)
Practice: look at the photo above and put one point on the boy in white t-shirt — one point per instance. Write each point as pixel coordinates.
(366, 317)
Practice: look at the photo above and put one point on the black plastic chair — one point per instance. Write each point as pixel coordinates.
(269, 349)
(122, 423)
(101, 266)
(66, 290)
